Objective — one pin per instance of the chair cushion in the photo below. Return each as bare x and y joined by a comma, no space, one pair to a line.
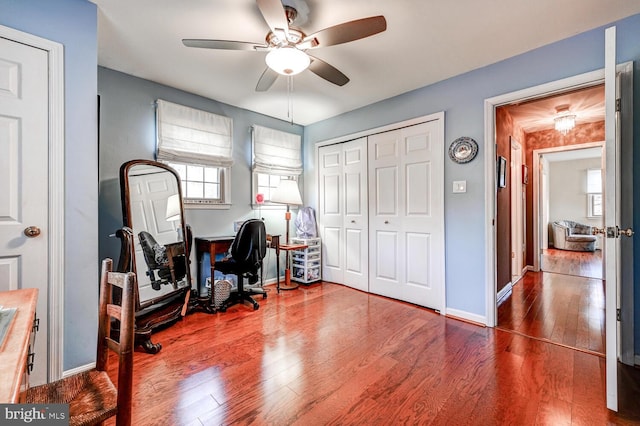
91,396
581,238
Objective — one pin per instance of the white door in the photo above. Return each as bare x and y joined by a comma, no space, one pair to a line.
343,213
331,212
611,220
356,243
24,181
406,214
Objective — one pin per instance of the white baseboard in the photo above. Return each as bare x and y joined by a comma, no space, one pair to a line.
506,290
637,360
272,281
468,316
78,370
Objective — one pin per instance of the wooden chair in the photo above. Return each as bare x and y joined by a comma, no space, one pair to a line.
91,395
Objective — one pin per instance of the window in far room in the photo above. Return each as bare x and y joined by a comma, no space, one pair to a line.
276,155
198,145
594,193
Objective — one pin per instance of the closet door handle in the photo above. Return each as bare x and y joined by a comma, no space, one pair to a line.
353,221
386,222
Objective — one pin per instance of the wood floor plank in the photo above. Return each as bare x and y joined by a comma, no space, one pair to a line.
565,309
328,354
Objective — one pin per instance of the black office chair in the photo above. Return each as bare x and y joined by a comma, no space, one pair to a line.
156,258
247,251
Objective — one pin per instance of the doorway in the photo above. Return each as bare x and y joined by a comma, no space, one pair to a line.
569,189
549,295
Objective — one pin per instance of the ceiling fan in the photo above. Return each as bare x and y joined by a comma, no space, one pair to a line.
287,45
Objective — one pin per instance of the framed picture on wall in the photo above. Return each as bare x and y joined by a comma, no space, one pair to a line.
502,172
525,174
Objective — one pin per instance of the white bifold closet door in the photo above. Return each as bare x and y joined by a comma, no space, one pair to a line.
342,213
406,214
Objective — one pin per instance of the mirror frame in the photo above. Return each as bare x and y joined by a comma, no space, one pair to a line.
128,260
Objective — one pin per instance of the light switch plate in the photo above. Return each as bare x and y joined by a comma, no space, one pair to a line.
459,186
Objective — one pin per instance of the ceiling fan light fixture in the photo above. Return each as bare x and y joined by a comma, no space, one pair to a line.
565,121
287,60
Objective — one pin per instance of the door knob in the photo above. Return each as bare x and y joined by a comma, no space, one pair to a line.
32,231
386,222
612,231
353,221
628,232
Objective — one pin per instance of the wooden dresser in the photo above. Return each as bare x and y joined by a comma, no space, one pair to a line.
15,352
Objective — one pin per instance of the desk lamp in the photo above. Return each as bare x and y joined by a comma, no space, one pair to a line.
287,193
173,213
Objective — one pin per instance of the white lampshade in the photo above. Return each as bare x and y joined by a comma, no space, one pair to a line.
287,60
287,193
173,208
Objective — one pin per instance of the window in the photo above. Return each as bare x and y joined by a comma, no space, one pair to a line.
198,145
594,193
267,184
199,182
276,155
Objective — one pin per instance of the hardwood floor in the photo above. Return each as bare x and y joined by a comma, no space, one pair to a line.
579,263
328,354
564,309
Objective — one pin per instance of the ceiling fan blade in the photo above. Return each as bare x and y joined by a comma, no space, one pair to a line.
328,72
222,44
274,14
345,32
266,80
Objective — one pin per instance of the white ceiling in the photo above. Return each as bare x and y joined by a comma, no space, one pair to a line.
425,42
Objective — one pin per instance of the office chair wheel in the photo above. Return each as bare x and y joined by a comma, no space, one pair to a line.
256,307
264,296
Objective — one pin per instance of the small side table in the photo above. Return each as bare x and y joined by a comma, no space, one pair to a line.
288,285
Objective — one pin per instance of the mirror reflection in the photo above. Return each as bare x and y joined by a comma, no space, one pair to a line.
155,217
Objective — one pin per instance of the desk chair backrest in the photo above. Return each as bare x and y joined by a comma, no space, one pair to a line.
250,245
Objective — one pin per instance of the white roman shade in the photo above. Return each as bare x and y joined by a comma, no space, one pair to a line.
191,135
594,181
276,152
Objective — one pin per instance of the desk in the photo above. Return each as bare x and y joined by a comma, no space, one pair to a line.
14,353
174,250
213,246
218,245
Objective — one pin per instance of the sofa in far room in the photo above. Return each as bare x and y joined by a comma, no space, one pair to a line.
574,236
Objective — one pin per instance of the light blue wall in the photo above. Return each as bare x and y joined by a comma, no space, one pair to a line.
127,132
73,23
462,99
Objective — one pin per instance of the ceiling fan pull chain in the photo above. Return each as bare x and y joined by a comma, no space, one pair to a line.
289,100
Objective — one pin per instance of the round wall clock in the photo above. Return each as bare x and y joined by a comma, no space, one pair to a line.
463,150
